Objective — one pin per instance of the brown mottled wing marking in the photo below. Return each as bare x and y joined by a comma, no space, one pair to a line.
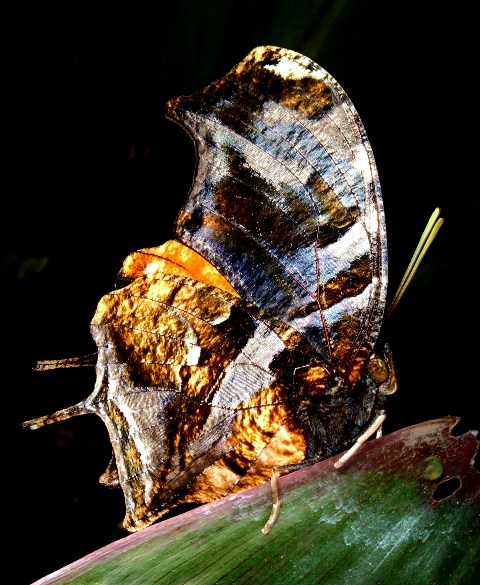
185,388
241,346
286,202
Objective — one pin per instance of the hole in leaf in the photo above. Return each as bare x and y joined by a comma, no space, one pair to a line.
460,428
446,488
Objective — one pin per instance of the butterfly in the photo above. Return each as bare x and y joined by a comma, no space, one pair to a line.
248,342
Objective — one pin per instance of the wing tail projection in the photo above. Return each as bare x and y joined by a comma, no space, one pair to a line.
59,415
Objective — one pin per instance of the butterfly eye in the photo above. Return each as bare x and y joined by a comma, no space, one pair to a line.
378,369
382,372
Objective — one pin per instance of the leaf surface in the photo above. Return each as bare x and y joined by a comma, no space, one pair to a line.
405,509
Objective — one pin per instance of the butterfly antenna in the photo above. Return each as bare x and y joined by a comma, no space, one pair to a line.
429,233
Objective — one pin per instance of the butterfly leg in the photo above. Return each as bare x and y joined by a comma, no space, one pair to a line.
376,427
276,502
276,491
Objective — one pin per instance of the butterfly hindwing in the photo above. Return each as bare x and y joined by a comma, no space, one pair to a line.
190,386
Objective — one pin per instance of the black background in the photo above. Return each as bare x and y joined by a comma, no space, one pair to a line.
95,171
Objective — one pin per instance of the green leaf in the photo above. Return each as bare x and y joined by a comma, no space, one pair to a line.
404,509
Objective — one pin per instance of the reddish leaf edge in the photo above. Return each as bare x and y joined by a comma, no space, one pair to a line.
468,443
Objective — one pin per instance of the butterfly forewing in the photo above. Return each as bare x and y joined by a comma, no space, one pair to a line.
286,201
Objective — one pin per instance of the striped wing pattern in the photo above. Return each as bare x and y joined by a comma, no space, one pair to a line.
241,345
286,201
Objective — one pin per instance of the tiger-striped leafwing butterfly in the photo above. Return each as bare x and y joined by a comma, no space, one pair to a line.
248,342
